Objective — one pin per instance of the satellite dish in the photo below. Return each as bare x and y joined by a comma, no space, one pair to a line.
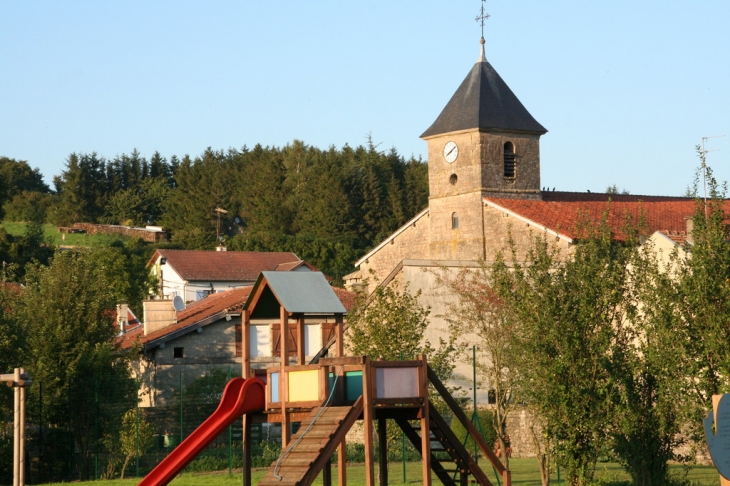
178,303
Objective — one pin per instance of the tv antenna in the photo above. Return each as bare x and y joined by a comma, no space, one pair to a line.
218,224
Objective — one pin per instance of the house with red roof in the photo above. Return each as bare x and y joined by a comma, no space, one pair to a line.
185,345
484,192
194,274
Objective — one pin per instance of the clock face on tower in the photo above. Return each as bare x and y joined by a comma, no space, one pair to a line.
451,151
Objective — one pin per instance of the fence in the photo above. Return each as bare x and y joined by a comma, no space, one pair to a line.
96,430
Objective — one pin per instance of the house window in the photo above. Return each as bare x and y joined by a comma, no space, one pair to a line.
454,221
453,179
201,294
509,160
177,352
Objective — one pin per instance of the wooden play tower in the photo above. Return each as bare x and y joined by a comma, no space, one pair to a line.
328,397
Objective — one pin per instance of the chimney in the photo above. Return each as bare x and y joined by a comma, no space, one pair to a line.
158,314
122,317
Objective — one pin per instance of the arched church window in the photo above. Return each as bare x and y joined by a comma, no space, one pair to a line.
509,160
454,221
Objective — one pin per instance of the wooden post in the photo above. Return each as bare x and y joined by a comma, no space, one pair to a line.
425,422
16,432
283,378
18,380
21,387
367,387
342,464
383,451
300,341
506,477
327,473
340,335
246,459
246,344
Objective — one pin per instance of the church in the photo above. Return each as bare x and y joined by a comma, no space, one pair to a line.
484,188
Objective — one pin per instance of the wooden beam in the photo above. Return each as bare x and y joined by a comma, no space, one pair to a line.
283,386
425,424
342,463
383,451
339,335
246,459
246,344
300,341
368,417
327,473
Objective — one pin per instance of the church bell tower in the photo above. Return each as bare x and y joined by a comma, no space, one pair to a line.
484,144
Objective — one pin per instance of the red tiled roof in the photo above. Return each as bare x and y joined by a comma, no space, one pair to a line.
563,211
199,310
228,301
225,266
347,297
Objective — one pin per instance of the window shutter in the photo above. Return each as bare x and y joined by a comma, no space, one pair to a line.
239,340
276,339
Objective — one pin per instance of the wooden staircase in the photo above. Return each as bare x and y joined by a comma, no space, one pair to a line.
312,446
450,461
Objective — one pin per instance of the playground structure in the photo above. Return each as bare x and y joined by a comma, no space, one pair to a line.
328,397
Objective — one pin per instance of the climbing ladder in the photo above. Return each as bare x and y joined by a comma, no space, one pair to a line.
449,457
313,445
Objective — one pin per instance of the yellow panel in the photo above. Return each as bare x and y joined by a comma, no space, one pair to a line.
303,386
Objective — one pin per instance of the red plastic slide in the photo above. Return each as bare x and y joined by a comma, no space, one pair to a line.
240,396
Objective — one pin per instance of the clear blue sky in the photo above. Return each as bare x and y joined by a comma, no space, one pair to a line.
625,88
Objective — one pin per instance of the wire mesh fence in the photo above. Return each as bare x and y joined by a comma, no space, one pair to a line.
99,431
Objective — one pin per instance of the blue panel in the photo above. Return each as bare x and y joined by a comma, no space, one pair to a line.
274,386
353,385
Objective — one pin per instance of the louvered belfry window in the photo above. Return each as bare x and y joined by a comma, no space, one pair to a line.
509,160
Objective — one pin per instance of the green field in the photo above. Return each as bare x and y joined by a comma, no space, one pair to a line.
53,236
524,472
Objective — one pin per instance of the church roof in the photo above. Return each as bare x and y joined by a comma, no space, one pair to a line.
484,101
562,212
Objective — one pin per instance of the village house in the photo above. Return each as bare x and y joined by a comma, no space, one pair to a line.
180,346
194,274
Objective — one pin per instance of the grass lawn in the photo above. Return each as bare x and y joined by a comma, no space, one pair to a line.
52,234
524,472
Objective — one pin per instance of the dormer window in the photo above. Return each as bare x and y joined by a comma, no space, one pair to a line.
509,160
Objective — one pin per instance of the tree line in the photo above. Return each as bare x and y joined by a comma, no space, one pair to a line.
327,206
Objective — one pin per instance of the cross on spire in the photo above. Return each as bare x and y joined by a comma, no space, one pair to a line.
482,17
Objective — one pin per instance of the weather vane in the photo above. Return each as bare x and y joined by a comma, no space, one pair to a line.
482,17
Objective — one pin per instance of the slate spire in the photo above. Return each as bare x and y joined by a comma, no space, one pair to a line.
484,102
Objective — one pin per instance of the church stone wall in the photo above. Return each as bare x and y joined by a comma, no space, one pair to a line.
410,243
499,227
526,182
463,243
466,167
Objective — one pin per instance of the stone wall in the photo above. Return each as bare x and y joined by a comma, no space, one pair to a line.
411,242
